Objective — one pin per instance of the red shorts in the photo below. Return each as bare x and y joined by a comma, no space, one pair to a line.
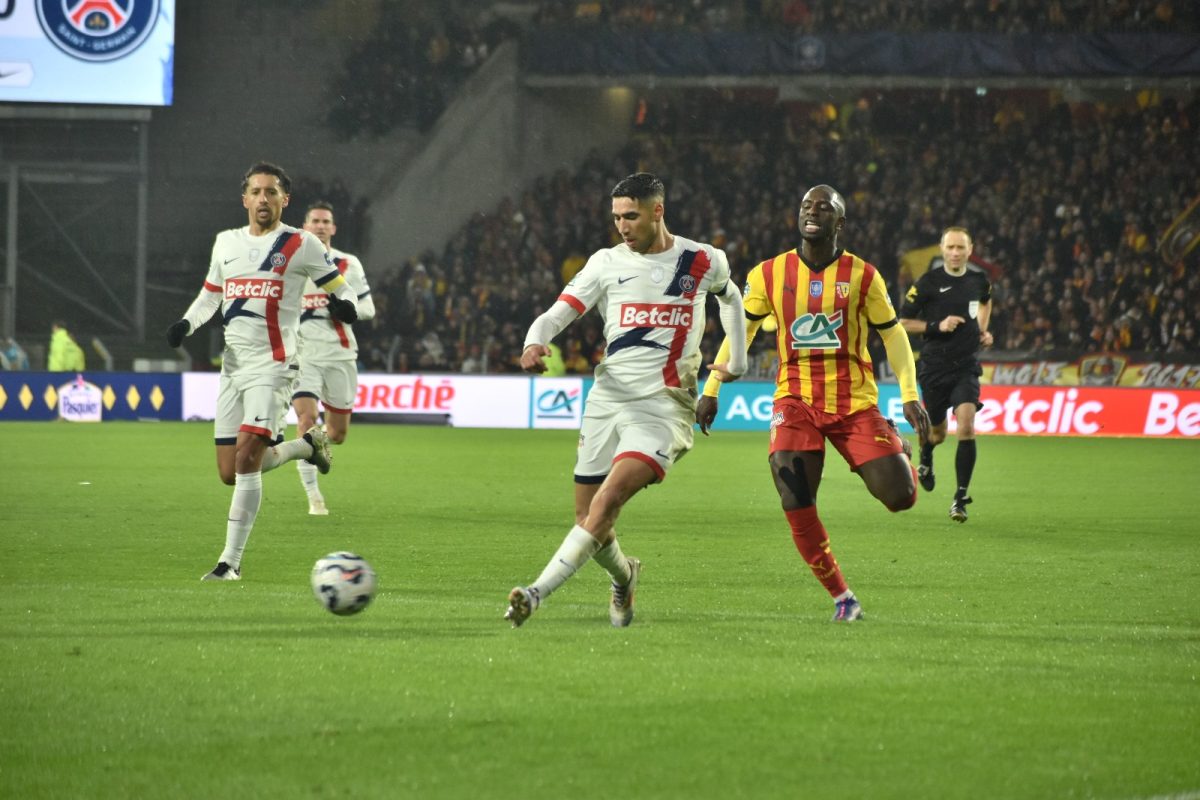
860,437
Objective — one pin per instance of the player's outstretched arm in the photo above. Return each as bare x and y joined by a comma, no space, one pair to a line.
900,357
733,322
198,313
543,330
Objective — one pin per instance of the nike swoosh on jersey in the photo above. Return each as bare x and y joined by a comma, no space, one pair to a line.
231,260
625,280
945,288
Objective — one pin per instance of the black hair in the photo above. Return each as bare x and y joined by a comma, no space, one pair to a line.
321,205
267,168
641,186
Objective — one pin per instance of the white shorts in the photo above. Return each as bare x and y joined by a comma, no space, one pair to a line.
254,403
334,383
656,430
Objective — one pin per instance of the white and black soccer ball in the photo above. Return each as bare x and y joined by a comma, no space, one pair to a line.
343,583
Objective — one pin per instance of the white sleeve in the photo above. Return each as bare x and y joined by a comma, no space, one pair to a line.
202,308
552,323
733,321
209,299
356,276
366,307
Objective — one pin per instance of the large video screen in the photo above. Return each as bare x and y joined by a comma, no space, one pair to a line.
117,52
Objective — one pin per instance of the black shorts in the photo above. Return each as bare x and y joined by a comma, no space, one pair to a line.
946,391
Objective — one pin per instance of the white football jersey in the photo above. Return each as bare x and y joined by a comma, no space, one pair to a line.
653,311
258,282
323,338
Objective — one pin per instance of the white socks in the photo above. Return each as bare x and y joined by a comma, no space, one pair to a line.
285,452
308,477
247,497
572,554
612,559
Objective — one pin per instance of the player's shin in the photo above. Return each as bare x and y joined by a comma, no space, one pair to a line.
308,478
614,561
573,553
813,543
964,465
284,452
247,497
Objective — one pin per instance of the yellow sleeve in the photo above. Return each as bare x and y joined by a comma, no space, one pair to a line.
879,304
900,356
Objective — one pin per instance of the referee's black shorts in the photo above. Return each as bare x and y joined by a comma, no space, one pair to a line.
945,389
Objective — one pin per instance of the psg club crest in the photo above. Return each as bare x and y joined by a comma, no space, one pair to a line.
97,30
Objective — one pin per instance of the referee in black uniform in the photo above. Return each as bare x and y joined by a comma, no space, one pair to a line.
950,306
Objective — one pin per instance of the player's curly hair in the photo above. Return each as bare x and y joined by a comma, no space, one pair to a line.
641,186
267,168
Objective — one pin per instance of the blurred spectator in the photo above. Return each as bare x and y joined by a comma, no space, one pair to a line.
65,354
844,16
13,356
555,366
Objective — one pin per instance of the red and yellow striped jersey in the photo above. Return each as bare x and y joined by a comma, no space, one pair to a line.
824,316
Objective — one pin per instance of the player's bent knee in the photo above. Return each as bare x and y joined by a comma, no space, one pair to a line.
901,502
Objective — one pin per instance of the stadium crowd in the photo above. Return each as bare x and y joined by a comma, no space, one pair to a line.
904,16
407,71
1066,202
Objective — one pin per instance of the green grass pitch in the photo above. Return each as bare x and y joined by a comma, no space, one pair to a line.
1048,648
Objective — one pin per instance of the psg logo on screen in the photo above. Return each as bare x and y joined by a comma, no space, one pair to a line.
97,30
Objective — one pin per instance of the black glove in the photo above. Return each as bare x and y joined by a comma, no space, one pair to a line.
342,310
177,331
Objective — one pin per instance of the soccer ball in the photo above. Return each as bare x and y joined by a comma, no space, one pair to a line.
343,583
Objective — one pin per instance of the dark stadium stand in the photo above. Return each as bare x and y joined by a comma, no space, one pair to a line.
1066,201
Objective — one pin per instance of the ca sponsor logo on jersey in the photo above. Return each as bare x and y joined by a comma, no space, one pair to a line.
97,30
315,301
655,315
253,289
816,332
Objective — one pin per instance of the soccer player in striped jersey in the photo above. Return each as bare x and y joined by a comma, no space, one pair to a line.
650,290
328,352
256,277
825,300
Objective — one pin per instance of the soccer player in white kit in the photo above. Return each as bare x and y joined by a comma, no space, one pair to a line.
328,352
638,420
257,277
